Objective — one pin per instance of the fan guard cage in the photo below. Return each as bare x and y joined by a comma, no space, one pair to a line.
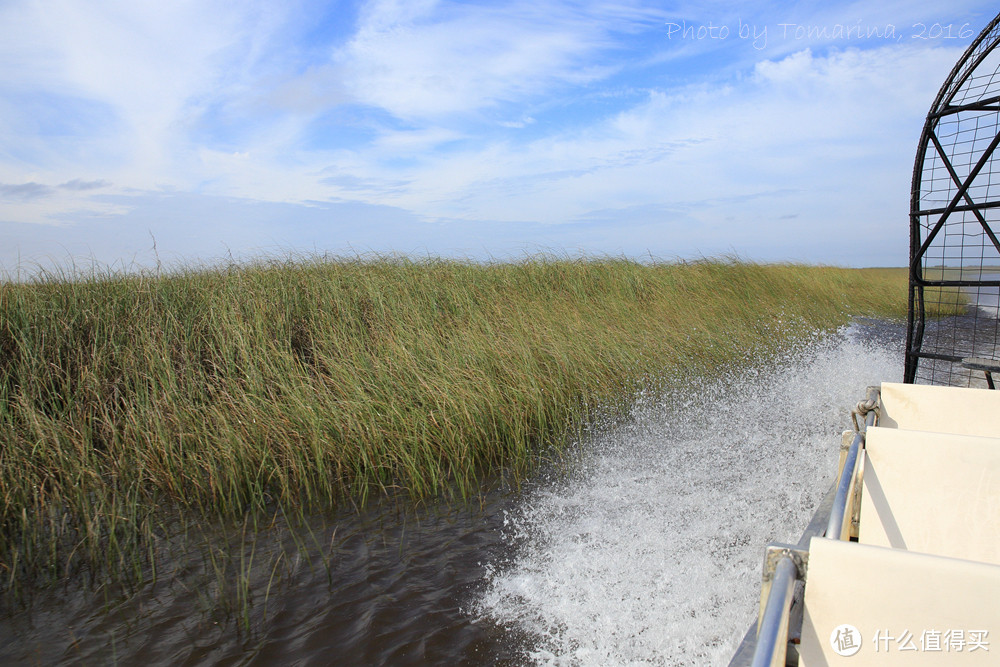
954,208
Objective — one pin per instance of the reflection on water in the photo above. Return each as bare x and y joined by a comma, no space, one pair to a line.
645,551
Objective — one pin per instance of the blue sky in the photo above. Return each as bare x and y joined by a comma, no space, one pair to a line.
132,132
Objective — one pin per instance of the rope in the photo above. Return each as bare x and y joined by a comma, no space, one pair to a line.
862,409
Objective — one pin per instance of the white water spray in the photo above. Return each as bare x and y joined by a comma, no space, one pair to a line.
650,553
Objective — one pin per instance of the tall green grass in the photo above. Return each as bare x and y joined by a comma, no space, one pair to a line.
303,383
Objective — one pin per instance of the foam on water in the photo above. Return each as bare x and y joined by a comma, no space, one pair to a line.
650,551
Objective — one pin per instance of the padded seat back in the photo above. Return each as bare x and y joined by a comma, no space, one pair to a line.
922,407
932,492
896,600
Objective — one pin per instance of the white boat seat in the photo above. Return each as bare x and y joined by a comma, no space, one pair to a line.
921,407
934,493
896,599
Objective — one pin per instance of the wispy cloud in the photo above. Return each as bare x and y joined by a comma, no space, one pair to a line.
80,185
24,191
561,121
430,61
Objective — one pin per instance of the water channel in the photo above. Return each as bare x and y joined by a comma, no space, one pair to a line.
644,547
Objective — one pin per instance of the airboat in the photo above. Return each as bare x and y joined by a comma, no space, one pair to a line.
901,562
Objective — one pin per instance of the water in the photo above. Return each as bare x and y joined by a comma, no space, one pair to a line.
985,298
385,587
644,548
650,553
976,333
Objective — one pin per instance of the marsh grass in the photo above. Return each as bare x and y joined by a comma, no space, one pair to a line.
287,385
943,301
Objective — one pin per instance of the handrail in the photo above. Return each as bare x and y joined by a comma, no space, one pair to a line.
784,564
772,635
835,526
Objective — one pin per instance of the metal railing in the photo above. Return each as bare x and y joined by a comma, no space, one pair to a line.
783,566
845,488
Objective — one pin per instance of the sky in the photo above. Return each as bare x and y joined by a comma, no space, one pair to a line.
139,134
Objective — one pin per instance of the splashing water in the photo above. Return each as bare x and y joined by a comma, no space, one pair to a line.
649,552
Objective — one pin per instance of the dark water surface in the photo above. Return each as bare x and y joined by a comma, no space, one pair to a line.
392,585
646,552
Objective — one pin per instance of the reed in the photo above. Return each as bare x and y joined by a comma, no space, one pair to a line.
300,383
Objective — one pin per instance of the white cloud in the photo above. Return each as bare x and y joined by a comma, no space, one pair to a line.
827,139
804,148
578,114
431,60
145,64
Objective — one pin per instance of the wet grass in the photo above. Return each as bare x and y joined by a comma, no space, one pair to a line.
226,393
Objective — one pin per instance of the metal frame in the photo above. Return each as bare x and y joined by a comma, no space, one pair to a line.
954,202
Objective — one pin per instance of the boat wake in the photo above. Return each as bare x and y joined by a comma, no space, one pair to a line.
648,551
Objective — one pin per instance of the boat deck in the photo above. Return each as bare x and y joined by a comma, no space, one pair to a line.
901,562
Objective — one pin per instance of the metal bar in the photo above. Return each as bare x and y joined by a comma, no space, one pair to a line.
779,619
772,638
958,209
941,357
985,104
958,283
835,526
914,329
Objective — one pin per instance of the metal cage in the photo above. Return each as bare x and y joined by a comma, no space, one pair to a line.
954,295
